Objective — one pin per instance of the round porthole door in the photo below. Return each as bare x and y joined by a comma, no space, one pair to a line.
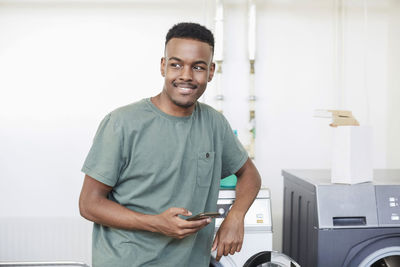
385,257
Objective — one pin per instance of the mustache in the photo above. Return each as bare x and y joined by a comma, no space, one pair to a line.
184,85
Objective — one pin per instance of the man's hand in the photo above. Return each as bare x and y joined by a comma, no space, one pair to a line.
170,224
229,237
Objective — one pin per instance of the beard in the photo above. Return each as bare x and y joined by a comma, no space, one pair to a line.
187,104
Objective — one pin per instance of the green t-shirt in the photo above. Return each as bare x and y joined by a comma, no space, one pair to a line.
155,161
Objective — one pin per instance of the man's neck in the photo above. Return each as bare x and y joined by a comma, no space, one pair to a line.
166,106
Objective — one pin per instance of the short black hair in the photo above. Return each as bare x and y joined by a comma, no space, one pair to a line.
190,30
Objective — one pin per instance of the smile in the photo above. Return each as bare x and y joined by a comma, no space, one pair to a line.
185,88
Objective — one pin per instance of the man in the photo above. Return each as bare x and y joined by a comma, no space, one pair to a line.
156,161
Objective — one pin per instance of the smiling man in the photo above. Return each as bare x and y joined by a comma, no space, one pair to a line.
156,161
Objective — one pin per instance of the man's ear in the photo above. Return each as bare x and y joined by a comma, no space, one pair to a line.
162,66
211,72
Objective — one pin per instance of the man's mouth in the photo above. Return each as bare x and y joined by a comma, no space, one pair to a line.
185,88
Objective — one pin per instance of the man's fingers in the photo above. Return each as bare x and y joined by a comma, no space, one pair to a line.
224,249
188,228
171,224
220,251
197,224
215,243
239,247
233,249
180,211
186,232
227,249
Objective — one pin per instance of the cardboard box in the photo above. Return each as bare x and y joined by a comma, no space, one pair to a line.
352,155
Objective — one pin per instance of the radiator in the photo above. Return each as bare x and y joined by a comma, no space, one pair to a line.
45,239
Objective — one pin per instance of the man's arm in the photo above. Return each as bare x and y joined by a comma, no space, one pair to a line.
229,237
95,206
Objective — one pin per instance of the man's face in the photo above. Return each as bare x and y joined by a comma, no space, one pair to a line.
187,68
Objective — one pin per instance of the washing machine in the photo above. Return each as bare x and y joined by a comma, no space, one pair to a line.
257,242
340,225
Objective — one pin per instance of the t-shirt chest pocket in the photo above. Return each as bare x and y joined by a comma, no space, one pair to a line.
205,167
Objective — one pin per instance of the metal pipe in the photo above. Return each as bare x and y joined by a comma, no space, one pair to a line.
252,96
218,52
219,31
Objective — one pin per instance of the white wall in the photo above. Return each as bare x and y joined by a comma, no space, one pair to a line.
63,67
65,64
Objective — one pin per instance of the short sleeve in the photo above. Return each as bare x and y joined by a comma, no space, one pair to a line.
104,160
234,156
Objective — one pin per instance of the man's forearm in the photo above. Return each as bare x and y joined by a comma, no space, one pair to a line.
95,206
229,237
103,211
247,187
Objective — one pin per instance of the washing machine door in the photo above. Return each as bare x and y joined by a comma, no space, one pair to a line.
385,257
390,261
270,259
381,251
261,259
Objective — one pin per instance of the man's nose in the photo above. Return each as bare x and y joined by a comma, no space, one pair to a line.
186,74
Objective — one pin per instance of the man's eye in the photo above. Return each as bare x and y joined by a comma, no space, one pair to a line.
175,65
198,68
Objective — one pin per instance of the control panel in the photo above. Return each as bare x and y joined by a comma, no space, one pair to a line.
388,204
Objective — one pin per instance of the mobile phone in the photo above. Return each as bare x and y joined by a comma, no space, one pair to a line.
203,215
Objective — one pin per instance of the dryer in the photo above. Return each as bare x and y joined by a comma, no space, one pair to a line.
257,242
340,225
